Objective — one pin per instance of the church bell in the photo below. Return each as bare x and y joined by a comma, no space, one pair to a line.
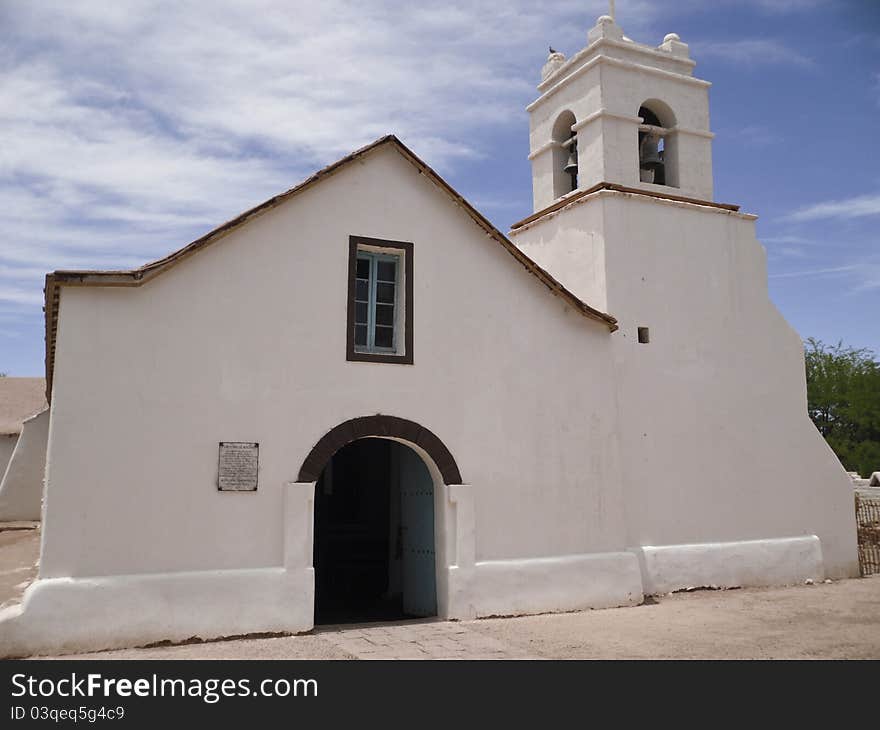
649,155
571,167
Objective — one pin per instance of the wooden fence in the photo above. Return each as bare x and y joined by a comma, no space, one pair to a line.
868,525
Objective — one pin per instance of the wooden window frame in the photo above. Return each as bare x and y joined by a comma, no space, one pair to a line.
404,299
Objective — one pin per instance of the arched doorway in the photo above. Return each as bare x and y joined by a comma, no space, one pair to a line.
658,144
374,534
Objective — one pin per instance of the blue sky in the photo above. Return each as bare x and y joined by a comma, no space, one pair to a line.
129,129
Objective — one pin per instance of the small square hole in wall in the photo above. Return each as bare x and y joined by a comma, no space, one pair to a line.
644,336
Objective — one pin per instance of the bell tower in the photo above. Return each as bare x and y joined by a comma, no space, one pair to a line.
620,112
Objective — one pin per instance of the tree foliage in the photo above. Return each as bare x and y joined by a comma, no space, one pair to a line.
843,399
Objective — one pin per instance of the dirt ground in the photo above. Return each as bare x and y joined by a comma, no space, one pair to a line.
839,620
19,550
828,621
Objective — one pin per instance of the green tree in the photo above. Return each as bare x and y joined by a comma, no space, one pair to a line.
843,399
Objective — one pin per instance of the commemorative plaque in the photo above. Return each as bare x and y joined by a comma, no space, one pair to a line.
238,465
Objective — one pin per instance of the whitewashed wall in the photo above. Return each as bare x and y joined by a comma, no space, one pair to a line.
715,439
21,486
595,468
246,341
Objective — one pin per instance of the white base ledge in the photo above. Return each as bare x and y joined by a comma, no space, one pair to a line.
781,561
559,583
65,615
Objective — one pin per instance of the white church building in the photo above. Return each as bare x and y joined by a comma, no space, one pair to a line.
360,400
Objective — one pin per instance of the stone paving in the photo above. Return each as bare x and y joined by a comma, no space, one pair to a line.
418,640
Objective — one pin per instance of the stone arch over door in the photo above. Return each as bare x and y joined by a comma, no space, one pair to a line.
454,510
381,426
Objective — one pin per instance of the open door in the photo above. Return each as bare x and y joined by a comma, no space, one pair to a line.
374,535
417,527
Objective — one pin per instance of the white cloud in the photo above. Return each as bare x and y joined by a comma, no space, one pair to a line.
752,52
856,207
787,6
131,128
870,279
794,246
859,277
815,272
12,295
787,239
753,135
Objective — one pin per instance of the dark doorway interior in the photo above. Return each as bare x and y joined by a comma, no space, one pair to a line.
374,535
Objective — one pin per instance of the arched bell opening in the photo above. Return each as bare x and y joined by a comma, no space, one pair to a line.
565,155
657,141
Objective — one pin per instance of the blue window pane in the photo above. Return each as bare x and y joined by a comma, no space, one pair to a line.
384,336
385,314
362,291
387,270
375,301
385,293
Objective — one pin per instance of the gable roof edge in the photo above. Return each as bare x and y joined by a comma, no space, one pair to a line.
139,276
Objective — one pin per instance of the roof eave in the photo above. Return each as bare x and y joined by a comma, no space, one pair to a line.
617,188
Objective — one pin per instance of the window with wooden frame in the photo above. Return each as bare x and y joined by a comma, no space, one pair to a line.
380,301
